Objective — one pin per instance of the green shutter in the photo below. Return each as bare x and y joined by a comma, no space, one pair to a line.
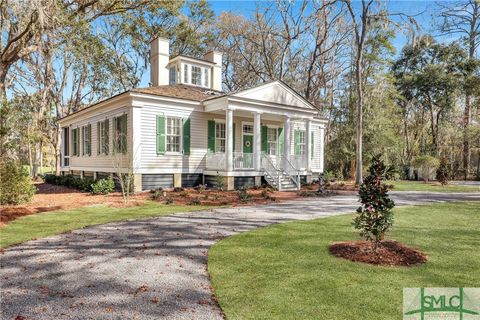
264,139
123,124
115,135
297,142
311,145
186,136
82,139
107,136
98,138
72,144
211,136
89,129
76,142
234,137
280,141
160,135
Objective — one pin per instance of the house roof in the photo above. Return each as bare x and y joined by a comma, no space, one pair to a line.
202,60
181,91
184,92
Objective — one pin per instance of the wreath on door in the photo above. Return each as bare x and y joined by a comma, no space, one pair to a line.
248,143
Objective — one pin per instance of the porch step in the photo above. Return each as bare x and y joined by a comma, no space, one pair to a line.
285,181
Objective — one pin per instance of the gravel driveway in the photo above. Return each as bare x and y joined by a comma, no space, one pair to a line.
146,269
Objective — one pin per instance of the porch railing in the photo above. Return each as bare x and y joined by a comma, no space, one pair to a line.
243,160
299,161
216,161
272,172
292,171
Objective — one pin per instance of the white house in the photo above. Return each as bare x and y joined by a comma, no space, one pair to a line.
183,131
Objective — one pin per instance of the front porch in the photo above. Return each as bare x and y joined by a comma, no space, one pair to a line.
278,171
247,139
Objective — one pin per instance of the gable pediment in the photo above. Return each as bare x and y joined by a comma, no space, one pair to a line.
275,92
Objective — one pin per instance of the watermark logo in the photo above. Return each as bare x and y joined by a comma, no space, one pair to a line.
441,303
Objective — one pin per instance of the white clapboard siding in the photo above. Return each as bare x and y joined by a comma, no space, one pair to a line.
317,161
179,163
97,162
173,163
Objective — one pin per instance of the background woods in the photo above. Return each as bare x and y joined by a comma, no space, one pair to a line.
405,99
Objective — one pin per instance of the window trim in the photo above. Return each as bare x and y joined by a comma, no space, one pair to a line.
180,135
83,140
222,122
199,73
205,77
172,71
248,124
300,143
102,137
186,73
276,141
116,137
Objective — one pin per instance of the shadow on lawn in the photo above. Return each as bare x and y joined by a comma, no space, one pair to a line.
143,269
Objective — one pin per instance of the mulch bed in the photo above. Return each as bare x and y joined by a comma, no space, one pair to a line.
53,197
388,253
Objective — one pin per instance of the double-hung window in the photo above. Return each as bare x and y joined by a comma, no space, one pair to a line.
272,141
302,143
185,73
196,75
103,136
173,134
173,75
206,77
87,140
120,129
219,137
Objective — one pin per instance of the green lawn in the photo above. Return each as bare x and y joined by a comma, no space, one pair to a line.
402,185
56,222
285,271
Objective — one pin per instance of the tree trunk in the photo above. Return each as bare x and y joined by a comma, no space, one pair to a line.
41,157
359,149
3,79
58,144
36,159
30,161
467,118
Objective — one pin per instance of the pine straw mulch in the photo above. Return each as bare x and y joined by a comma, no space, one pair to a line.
388,253
53,197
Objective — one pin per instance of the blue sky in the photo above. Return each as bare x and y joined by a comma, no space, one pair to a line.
422,10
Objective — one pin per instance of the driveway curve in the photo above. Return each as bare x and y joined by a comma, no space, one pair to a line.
147,269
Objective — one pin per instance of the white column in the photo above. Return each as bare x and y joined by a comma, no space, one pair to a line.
229,138
257,140
308,128
136,137
321,144
286,138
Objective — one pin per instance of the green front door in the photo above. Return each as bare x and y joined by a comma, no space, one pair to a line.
247,144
